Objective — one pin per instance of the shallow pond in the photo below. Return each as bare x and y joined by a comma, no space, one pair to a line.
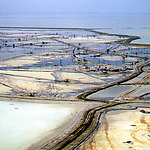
109,93
142,90
8,55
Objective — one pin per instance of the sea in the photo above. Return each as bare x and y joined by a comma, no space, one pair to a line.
123,23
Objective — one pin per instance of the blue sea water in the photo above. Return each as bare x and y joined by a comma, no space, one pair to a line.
123,23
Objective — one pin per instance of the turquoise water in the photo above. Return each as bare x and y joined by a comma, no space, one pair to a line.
123,23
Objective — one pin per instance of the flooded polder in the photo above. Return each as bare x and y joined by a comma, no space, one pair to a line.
81,73
110,93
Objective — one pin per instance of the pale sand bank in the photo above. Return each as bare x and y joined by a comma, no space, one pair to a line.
117,58
79,77
100,39
27,85
121,130
4,89
19,62
31,124
42,75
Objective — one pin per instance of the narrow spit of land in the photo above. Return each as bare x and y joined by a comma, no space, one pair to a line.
80,52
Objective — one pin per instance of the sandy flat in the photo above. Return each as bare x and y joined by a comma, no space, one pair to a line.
42,75
70,87
121,130
19,62
4,89
92,39
21,84
79,77
117,58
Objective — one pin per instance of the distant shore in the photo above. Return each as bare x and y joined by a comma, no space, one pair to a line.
126,42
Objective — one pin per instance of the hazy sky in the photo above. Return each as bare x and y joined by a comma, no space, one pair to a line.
76,5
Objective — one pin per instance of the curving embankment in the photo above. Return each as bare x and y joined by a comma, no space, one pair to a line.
90,120
125,42
137,72
88,123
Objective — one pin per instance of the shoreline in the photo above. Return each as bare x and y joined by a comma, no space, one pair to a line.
85,122
127,42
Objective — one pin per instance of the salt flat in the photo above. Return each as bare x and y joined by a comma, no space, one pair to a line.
24,124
